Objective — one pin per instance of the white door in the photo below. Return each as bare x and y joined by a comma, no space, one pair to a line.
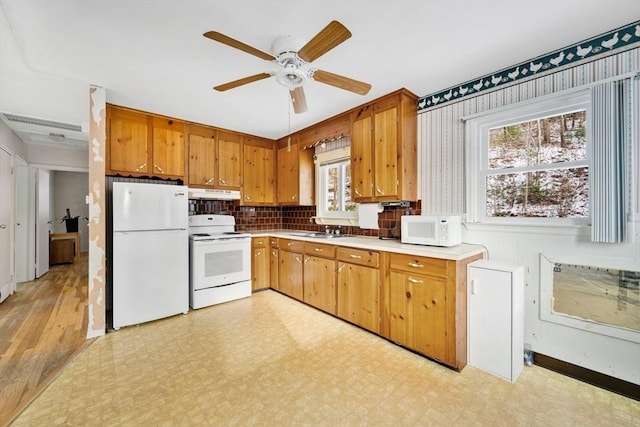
22,222
491,323
6,225
43,223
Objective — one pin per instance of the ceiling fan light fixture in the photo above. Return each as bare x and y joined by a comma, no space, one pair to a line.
291,76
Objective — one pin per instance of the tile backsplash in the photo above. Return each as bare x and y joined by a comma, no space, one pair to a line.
253,218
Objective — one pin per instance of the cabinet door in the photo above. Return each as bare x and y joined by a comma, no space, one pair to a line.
128,143
386,153
202,161
168,147
418,313
259,167
361,159
274,261
228,160
359,295
260,269
320,283
290,274
287,193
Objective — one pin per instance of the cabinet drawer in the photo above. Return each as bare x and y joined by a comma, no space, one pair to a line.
359,256
418,265
320,249
291,245
260,242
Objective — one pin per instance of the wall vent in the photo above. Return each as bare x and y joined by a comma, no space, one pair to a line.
44,123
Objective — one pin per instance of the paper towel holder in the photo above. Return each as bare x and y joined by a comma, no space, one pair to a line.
399,203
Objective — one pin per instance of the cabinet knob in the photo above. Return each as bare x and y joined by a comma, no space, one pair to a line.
142,166
222,181
415,265
412,280
355,256
159,168
378,190
209,181
295,196
355,190
318,249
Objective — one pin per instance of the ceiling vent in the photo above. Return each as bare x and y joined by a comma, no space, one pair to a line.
44,123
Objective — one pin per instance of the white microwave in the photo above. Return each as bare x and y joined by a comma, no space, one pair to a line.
432,230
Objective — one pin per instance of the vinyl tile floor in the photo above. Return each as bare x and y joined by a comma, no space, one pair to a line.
271,361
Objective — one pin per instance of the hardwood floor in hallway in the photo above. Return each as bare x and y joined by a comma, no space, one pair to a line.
43,326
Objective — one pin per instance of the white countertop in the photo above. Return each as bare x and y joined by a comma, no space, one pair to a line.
456,253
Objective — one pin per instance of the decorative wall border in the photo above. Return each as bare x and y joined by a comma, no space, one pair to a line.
605,44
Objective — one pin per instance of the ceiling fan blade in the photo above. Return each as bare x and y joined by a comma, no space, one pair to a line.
299,100
243,81
342,82
221,38
331,36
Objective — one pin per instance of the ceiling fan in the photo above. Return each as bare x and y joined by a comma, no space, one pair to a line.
293,58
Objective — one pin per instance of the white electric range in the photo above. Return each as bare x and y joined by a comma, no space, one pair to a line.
219,261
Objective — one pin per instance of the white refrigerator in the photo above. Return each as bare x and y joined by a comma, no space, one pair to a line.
150,252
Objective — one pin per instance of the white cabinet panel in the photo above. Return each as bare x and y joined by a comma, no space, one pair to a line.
496,318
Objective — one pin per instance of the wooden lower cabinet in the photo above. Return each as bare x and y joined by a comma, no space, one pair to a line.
417,313
359,295
427,306
290,268
260,264
274,261
320,283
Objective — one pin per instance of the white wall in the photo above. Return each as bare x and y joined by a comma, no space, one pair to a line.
11,141
54,158
69,191
441,135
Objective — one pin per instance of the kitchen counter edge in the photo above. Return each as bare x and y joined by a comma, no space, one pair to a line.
455,253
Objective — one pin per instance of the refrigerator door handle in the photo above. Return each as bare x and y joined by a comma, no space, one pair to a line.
474,288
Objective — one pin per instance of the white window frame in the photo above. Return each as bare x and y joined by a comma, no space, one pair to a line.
477,152
323,215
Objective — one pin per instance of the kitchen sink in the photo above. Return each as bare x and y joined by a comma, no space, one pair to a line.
316,235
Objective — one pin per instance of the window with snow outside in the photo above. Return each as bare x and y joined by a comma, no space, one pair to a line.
537,168
530,163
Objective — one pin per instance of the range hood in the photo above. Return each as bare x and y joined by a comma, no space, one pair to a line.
213,194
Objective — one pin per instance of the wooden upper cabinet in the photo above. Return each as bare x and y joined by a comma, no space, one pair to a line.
127,149
258,185
362,158
384,149
140,144
202,157
168,147
295,180
386,179
229,160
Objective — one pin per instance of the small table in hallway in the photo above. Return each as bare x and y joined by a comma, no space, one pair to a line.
68,236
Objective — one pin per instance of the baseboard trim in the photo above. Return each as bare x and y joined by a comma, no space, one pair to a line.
615,385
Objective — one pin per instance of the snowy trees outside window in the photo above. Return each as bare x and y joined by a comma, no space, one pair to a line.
528,163
532,168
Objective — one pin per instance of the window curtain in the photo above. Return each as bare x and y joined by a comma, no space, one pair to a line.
610,170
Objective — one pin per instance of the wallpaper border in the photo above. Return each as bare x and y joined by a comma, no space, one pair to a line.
608,43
